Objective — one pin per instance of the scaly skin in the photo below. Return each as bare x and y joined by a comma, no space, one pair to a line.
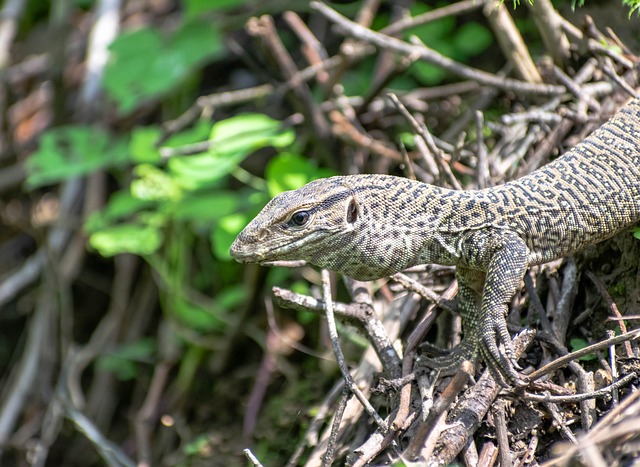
371,226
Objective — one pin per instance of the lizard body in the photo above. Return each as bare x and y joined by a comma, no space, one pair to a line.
371,226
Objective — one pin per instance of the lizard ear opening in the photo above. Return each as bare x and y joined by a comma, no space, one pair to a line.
352,211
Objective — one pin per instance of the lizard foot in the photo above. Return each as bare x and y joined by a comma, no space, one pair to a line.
448,361
495,347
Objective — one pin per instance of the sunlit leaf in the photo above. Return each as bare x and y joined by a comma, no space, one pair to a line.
72,151
225,233
290,171
128,238
231,141
245,133
146,64
207,207
154,184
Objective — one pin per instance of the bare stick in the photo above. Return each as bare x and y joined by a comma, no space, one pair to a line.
548,24
562,361
511,42
428,140
252,458
603,392
335,343
353,29
329,454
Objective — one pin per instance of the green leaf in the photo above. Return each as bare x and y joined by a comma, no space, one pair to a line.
231,141
427,73
146,65
201,445
196,317
578,344
290,171
123,359
201,171
127,238
245,133
207,207
434,33
225,233
636,233
120,206
72,151
142,145
471,39
195,8
154,184
231,297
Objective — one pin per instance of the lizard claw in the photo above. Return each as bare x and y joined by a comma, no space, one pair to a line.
501,361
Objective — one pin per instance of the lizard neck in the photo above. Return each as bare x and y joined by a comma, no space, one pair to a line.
401,223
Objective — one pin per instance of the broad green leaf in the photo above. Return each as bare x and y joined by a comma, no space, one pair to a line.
472,39
154,184
290,171
194,134
140,240
207,207
245,133
231,296
636,233
578,344
194,8
121,205
72,151
200,171
231,141
145,64
225,233
142,145
434,32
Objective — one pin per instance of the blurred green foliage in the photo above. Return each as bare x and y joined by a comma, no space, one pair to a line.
445,36
578,344
145,65
179,197
180,205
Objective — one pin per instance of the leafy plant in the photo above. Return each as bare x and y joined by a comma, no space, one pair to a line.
578,344
73,151
147,64
173,206
458,43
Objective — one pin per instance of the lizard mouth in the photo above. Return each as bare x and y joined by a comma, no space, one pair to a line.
244,253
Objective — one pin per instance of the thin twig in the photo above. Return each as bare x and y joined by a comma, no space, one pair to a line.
353,29
562,361
335,342
600,393
329,454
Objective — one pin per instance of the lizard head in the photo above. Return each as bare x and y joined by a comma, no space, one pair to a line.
300,224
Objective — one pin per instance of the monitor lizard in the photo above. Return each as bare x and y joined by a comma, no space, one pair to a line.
371,226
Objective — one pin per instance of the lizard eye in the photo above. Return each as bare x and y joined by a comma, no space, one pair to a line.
352,211
300,218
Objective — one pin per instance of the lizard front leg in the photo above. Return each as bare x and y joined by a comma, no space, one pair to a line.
506,263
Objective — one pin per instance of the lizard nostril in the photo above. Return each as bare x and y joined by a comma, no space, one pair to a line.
262,235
